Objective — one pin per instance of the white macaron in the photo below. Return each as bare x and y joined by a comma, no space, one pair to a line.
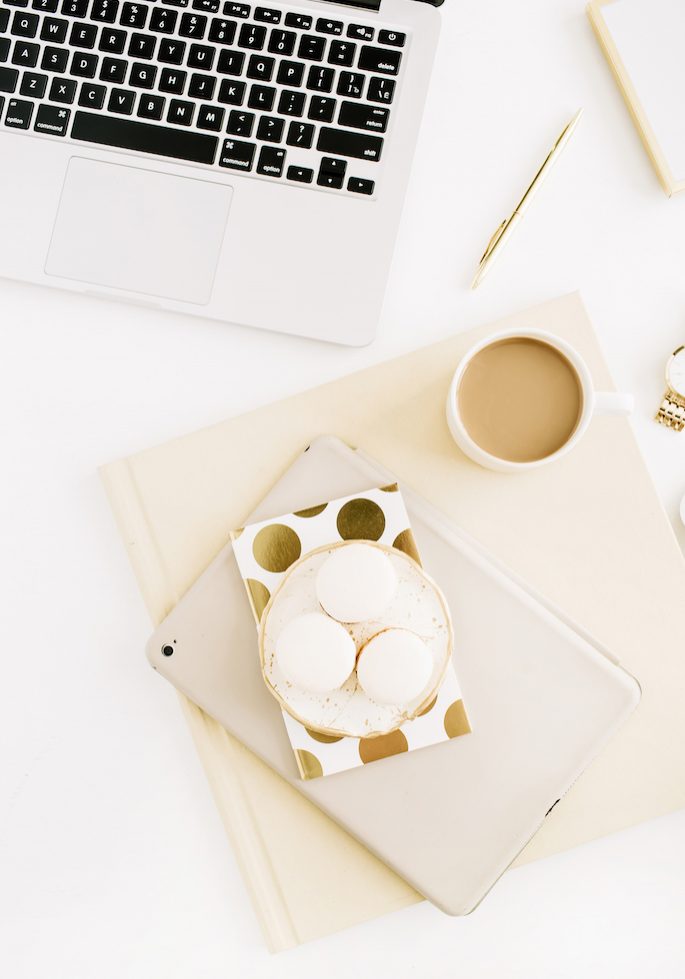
315,653
357,582
394,667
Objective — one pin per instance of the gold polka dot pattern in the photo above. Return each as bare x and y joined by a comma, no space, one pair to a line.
372,749
276,547
361,519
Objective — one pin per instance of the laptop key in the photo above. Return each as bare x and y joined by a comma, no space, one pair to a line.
163,21
341,53
18,114
172,80
171,52
311,47
259,68
381,90
300,134
112,41
4,48
393,38
121,101
267,15
52,120
92,96
282,42
25,54
237,155
201,56
321,109
24,25
62,90
83,36
104,11
84,65
151,106
16,3
209,6
46,6
270,129
359,186
129,134
75,8
222,31
320,79
230,62
303,175
202,86
291,103
262,97
142,75
181,113
8,79
33,85
343,142
55,59
240,123
54,30
329,26
379,60
232,93
134,15
360,32
356,115
210,117
298,20
142,46
271,161
236,10
4,18
350,84
113,70
290,73
252,36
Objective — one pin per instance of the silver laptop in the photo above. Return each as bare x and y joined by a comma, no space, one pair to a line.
245,163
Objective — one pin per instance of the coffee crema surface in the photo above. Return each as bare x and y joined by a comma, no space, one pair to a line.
520,399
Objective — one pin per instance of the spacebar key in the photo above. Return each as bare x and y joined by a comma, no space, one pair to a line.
338,142
129,135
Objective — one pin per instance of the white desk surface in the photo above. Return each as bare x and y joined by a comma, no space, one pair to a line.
114,863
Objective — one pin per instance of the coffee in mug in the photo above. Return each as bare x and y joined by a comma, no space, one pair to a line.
520,399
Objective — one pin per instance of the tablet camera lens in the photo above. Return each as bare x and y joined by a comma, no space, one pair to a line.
167,650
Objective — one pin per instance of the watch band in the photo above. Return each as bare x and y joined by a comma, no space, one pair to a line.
672,411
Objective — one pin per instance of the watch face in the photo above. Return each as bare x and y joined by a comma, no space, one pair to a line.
676,372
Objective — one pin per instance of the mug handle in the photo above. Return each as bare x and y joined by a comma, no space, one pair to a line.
613,403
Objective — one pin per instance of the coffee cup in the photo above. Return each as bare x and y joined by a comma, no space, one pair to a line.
523,398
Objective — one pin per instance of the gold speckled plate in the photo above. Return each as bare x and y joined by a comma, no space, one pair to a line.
418,605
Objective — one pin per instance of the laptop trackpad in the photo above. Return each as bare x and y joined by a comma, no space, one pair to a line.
138,230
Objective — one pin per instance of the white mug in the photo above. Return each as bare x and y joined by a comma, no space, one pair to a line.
594,403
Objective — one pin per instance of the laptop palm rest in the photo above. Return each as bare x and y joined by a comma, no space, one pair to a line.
139,230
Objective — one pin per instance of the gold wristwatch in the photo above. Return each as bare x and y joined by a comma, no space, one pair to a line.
672,409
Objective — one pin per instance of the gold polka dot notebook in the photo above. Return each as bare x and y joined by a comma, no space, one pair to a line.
266,550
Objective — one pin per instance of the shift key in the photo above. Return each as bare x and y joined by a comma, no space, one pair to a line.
340,142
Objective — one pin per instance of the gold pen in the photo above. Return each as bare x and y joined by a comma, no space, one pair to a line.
501,236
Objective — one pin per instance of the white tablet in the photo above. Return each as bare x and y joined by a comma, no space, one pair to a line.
542,698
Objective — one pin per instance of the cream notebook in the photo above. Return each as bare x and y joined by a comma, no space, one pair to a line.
588,533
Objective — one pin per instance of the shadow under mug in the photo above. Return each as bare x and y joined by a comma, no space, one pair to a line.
593,402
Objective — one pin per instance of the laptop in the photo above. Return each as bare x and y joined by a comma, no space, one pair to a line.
543,698
240,162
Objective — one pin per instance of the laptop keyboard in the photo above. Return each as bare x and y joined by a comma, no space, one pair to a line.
272,92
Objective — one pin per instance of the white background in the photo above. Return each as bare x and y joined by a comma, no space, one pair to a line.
113,862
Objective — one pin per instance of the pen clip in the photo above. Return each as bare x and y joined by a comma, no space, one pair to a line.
495,238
